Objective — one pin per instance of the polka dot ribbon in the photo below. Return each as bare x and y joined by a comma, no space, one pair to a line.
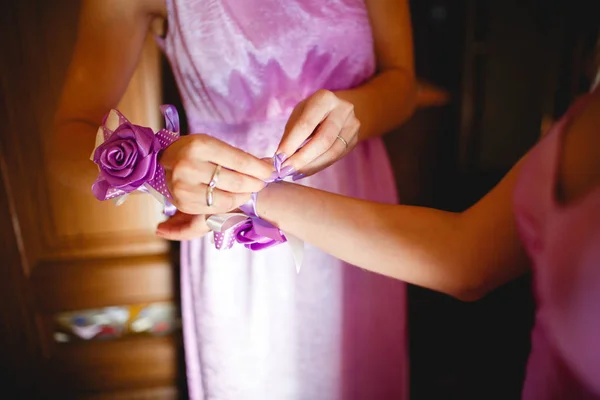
249,229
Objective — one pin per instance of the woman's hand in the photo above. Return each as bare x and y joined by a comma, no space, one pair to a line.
190,165
330,124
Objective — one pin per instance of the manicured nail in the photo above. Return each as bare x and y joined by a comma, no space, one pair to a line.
298,176
282,157
288,170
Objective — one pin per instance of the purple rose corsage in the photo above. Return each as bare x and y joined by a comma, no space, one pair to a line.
127,157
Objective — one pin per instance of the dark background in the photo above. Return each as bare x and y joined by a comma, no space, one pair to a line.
507,64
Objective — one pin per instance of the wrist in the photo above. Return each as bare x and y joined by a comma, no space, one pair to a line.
263,198
267,201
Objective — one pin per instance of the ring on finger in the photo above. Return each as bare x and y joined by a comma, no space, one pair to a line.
211,186
341,139
209,196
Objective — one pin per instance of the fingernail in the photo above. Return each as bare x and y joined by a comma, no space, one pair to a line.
273,176
296,177
282,157
288,170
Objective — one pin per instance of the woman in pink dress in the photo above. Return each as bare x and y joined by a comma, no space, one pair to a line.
544,213
251,72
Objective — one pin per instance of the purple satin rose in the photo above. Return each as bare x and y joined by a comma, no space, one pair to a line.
258,234
127,159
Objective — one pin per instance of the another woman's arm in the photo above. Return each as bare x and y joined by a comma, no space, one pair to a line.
461,254
110,39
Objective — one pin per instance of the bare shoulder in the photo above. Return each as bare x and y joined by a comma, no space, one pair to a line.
580,161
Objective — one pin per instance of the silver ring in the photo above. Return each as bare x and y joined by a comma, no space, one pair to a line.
209,196
342,140
212,185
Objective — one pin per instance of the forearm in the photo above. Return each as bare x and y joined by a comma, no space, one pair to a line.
413,244
69,154
110,40
383,103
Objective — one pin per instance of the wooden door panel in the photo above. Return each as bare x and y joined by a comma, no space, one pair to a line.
117,365
77,253
83,284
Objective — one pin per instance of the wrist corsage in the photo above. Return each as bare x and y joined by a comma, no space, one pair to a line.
249,229
127,157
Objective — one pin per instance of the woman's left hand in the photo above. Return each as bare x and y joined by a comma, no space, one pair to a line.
330,124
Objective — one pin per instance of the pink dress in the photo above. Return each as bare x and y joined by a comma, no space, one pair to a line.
563,242
253,328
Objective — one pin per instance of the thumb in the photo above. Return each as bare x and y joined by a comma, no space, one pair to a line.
183,226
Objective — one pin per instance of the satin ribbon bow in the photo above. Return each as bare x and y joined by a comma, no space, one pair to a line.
249,229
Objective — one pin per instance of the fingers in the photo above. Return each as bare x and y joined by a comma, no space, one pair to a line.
227,180
232,158
191,199
334,153
339,120
302,125
191,163
203,148
183,227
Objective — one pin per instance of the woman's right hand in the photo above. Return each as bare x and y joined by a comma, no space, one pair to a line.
190,164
